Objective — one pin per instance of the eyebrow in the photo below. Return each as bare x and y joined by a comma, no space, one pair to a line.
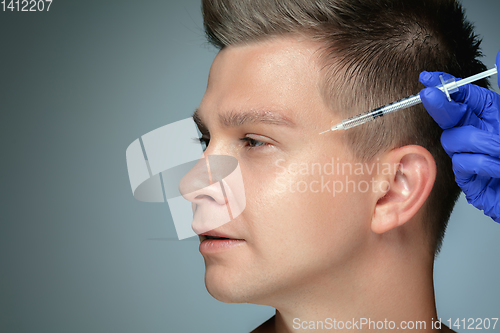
235,119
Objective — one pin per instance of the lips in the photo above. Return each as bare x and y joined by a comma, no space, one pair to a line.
216,242
216,235
212,237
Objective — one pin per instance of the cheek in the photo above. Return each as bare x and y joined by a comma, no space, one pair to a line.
293,201
296,233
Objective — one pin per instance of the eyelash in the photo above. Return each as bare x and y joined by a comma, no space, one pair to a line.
252,142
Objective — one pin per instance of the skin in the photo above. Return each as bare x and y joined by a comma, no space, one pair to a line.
311,255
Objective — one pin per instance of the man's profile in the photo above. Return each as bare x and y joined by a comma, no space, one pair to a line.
343,225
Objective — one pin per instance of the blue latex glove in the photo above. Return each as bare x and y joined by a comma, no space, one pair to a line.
471,137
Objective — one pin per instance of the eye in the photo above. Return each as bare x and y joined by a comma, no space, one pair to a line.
252,143
204,140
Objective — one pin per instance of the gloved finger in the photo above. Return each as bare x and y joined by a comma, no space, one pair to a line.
431,79
490,199
466,165
482,105
469,139
446,114
478,99
483,193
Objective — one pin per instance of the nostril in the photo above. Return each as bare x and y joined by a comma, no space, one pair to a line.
202,196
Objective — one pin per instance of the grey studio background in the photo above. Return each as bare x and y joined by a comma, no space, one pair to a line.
77,252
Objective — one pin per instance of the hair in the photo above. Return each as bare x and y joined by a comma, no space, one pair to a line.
372,53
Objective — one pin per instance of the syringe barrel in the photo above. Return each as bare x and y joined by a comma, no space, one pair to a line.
449,86
452,85
370,115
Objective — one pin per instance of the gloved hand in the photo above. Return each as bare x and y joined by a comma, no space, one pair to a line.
471,137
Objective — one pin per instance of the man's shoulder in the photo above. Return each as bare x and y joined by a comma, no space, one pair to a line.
268,327
446,329
265,327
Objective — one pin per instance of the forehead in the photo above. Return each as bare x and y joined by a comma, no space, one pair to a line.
276,74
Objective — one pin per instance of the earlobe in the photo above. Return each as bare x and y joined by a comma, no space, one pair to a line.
409,185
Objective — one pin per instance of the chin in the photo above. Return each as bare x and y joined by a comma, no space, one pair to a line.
227,287
222,292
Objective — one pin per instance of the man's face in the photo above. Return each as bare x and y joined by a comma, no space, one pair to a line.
296,230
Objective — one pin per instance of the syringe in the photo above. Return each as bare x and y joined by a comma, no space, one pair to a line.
448,87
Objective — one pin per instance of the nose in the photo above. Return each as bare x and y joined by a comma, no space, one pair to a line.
214,186
198,185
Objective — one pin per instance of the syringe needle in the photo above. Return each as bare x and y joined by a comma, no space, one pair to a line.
334,128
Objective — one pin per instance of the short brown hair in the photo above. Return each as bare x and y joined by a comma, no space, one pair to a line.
373,53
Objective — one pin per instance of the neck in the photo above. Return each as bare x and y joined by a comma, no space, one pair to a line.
382,291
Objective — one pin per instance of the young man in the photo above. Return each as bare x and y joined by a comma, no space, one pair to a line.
339,230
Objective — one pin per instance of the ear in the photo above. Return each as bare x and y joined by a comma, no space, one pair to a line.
405,185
